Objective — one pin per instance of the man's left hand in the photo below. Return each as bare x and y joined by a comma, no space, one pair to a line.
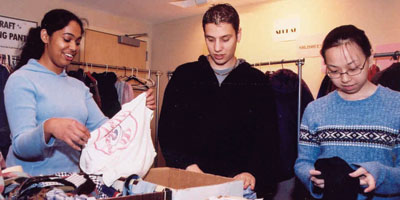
247,178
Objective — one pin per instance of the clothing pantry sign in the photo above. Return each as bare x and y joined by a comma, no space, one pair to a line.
13,34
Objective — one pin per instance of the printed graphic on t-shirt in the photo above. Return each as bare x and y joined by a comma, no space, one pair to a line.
112,137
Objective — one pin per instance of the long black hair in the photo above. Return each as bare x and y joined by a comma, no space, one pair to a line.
346,32
52,21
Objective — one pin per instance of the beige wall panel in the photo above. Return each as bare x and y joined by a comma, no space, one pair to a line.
103,48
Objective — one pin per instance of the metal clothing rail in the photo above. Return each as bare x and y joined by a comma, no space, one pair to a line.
114,67
156,73
395,55
299,64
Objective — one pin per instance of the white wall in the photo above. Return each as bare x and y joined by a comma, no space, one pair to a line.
182,40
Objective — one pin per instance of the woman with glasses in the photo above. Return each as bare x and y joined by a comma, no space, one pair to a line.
359,123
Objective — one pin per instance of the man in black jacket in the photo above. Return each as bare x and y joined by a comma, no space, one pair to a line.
218,114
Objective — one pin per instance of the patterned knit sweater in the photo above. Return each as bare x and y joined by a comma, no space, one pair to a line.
363,133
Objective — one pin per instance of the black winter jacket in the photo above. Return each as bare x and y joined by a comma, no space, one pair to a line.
225,129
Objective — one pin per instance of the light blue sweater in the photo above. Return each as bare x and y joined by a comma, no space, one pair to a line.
34,94
363,133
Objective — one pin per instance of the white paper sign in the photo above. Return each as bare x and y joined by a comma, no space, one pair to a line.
13,34
286,29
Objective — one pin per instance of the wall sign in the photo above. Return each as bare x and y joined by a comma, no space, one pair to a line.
286,29
13,34
309,46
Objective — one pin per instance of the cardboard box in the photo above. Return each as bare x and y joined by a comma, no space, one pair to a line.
187,185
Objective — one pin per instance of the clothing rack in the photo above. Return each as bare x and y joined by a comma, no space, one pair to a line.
154,72
395,55
299,64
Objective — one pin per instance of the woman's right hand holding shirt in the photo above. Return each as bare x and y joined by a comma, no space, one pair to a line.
70,131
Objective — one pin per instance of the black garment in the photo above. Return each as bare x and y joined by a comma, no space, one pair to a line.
389,77
227,129
326,87
77,74
338,184
108,93
285,84
92,85
5,140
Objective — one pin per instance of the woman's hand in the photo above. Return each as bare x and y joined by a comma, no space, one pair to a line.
150,99
365,178
68,130
248,180
316,181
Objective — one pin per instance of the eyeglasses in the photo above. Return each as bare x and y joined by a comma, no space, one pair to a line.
351,72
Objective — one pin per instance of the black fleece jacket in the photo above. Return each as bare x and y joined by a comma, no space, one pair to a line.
225,129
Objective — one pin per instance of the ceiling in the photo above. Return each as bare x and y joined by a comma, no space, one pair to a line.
153,11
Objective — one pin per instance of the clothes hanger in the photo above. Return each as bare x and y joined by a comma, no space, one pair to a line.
125,72
86,67
153,83
132,77
146,81
88,73
121,76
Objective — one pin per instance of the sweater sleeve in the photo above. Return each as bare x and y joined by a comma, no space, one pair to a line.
387,178
171,130
28,135
308,152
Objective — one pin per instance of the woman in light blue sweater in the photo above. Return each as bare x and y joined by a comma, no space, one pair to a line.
359,122
50,114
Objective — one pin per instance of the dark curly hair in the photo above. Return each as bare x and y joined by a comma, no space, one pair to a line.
222,13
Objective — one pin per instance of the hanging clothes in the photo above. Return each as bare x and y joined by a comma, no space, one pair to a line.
89,81
108,93
326,87
372,71
284,83
389,77
125,92
5,140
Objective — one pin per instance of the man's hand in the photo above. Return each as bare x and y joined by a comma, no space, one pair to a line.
247,178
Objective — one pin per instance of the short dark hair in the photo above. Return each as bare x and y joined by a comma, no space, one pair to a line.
52,21
346,32
222,13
